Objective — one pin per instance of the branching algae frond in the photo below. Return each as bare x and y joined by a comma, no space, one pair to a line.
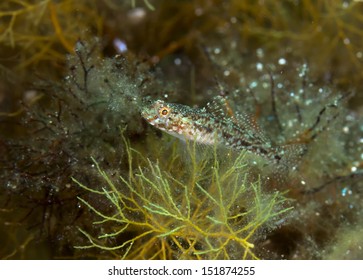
210,212
41,32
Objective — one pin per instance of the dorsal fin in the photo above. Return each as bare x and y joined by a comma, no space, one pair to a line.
250,123
218,107
221,108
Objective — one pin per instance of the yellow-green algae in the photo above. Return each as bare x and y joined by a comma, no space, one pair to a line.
207,210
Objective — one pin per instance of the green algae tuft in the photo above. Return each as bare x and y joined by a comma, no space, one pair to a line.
178,214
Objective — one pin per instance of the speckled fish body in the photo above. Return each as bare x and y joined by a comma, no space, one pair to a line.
208,127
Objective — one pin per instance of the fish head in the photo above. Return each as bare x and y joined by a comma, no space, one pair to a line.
172,118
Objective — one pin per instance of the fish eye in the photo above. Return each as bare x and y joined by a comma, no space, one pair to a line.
164,111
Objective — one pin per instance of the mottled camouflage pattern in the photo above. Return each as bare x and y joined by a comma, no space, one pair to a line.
211,125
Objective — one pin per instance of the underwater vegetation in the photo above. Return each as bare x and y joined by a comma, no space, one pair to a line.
40,31
83,175
208,212
66,128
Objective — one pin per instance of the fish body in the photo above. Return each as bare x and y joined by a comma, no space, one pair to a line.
211,125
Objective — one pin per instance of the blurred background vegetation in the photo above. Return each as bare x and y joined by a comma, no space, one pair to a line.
73,73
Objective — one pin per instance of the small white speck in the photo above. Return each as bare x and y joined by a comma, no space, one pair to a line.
259,66
253,84
217,51
120,45
177,61
282,61
136,15
344,191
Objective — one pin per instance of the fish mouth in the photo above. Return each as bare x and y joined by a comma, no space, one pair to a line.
150,116
150,119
